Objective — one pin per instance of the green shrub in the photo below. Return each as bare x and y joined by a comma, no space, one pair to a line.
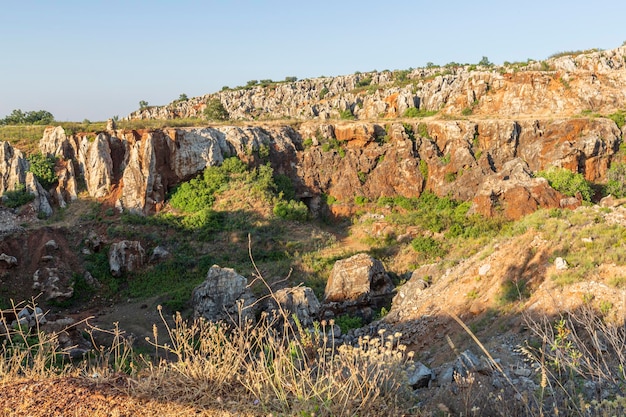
415,112
346,322
17,197
215,110
567,182
346,114
323,93
449,176
42,167
422,130
364,82
511,290
616,184
467,111
427,246
291,210
199,193
424,169
284,187
360,200
619,118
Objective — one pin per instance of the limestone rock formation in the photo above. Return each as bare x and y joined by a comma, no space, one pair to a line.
560,87
357,285
125,256
13,167
224,295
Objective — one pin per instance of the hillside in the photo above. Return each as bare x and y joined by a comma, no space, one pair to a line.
480,195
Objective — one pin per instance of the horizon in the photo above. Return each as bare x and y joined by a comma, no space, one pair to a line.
96,61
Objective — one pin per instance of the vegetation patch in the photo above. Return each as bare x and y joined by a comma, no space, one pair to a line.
568,182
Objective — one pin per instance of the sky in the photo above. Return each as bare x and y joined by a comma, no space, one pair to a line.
94,60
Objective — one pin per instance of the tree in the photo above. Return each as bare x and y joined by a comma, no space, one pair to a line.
143,104
18,117
42,167
485,62
215,110
291,79
183,97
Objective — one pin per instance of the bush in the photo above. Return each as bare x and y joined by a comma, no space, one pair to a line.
215,110
199,193
284,186
42,167
567,182
616,184
346,323
415,112
427,246
619,118
346,114
291,210
17,197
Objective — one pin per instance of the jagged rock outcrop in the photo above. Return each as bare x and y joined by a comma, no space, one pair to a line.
556,87
224,295
125,256
466,159
14,174
357,285
462,158
13,167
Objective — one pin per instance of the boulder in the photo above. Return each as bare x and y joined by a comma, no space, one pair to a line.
125,256
11,261
298,301
357,277
224,295
419,375
159,253
357,285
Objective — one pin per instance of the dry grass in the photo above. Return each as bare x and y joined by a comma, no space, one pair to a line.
265,367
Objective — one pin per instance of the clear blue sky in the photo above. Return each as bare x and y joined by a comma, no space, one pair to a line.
92,59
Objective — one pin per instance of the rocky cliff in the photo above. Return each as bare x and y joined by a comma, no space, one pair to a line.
491,162
557,87
519,119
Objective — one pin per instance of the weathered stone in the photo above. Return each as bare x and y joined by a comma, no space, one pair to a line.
298,301
11,261
54,284
419,375
51,244
484,269
125,256
357,277
159,253
224,295
560,264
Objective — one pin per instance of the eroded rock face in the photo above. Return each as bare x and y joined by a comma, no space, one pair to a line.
514,192
125,256
13,167
223,296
